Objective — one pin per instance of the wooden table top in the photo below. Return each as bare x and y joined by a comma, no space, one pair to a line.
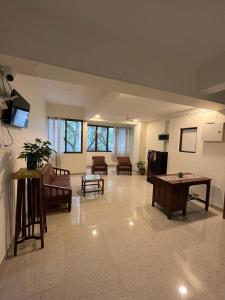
187,178
25,173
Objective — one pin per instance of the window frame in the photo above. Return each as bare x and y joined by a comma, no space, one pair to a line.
65,141
182,130
96,138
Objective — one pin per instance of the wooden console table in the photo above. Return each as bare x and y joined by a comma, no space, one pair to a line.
171,192
30,209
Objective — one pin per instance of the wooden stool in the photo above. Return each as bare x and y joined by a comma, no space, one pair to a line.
30,209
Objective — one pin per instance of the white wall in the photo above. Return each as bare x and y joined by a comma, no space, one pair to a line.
152,131
64,111
135,157
28,88
209,159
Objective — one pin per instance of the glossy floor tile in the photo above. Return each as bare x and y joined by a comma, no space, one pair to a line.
117,246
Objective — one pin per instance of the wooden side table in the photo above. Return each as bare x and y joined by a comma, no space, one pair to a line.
95,180
30,209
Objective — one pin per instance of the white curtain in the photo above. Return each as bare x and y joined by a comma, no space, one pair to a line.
56,132
121,141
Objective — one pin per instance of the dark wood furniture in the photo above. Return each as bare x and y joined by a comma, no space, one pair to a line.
157,164
124,165
30,208
99,164
92,180
224,208
57,190
171,192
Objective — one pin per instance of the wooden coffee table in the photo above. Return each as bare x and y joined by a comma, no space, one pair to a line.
94,180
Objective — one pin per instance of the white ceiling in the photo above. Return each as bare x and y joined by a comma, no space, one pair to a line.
118,108
190,31
144,109
70,94
156,44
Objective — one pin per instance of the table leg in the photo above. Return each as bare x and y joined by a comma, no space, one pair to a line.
169,215
207,196
84,188
18,215
224,208
153,196
102,187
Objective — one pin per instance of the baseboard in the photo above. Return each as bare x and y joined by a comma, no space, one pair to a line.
6,255
216,207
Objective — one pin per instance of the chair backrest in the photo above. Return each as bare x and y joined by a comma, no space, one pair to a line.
48,174
123,160
98,160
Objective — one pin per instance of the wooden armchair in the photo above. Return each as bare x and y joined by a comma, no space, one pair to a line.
99,164
124,164
57,190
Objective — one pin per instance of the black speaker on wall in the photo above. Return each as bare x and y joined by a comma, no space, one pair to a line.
163,137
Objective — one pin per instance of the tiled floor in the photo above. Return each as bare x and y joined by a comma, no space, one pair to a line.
117,246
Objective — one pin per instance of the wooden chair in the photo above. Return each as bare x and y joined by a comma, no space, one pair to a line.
99,164
124,164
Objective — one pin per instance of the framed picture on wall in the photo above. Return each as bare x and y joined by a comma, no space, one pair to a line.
188,140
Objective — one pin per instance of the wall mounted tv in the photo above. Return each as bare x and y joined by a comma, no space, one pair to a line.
17,113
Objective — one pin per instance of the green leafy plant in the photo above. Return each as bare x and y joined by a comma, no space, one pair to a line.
36,154
141,167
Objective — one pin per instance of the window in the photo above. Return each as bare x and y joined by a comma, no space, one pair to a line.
99,138
68,133
73,136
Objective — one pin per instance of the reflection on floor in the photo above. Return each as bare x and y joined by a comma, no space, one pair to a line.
117,246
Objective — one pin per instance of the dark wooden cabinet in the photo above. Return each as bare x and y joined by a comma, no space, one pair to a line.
157,164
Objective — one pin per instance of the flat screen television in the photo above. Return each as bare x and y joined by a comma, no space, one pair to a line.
17,113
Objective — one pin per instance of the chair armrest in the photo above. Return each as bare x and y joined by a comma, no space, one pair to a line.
51,186
60,171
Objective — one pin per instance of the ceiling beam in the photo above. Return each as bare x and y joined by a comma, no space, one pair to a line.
103,102
120,87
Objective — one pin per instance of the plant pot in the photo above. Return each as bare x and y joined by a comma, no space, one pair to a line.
142,171
32,163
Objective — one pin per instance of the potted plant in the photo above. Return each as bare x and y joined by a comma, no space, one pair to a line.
141,167
35,154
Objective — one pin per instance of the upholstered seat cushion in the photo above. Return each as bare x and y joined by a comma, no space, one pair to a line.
99,167
125,167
